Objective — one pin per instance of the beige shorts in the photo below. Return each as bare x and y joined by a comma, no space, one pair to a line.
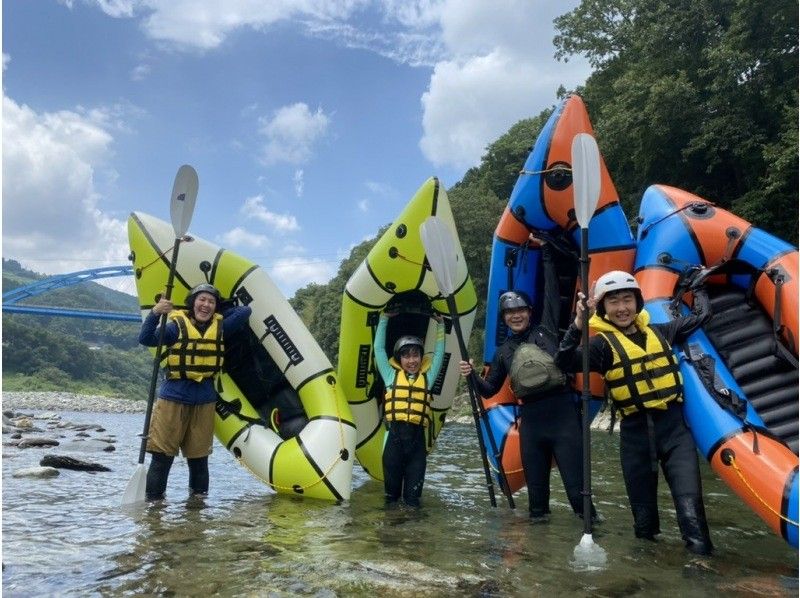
177,425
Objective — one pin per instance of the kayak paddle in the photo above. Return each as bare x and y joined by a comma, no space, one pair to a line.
440,250
586,189
184,195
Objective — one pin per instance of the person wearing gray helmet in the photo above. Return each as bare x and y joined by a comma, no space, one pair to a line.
183,415
549,417
408,378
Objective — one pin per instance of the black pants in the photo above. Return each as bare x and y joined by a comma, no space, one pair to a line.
550,428
661,437
404,461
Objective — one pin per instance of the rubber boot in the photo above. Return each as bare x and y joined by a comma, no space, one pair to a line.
646,523
694,527
198,475
157,475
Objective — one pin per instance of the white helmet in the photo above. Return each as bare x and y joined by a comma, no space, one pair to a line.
613,281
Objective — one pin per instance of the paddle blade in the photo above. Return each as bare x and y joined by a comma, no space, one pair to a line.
134,493
585,177
184,194
440,249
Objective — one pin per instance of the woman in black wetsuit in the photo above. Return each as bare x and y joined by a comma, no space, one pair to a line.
550,424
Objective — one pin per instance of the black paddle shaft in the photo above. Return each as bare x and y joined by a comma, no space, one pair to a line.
586,391
477,412
157,360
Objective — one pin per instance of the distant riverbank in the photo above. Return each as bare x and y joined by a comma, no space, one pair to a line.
67,401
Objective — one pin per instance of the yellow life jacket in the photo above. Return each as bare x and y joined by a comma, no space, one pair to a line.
195,356
639,378
408,401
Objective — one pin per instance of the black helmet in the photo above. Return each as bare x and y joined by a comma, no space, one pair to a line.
513,300
407,341
201,288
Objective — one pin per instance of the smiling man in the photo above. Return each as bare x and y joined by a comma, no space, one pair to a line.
644,382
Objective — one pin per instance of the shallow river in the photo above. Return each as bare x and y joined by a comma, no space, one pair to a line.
68,536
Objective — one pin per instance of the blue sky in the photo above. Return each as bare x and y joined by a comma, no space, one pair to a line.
311,123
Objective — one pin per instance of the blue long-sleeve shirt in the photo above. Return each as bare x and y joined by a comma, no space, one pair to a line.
386,370
189,391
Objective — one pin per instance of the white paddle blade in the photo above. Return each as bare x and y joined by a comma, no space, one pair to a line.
134,493
440,249
184,194
585,177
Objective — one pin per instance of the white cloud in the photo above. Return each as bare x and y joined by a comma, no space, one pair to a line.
291,133
113,8
501,71
51,207
363,205
6,60
296,272
492,61
455,119
205,25
298,182
140,72
254,208
239,237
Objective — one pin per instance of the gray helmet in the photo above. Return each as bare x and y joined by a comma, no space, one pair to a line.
614,281
407,341
201,288
513,300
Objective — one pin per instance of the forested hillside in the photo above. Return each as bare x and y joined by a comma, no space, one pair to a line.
699,94
79,355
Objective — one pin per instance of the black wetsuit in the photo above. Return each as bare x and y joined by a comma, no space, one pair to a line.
550,424
654,436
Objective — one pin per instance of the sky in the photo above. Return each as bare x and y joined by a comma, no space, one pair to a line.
311,123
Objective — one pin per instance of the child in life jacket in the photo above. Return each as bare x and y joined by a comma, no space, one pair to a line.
408,377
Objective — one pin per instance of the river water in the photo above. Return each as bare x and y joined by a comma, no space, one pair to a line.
68,536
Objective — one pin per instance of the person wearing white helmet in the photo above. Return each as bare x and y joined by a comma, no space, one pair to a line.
643,380
549,416
408,378
183,415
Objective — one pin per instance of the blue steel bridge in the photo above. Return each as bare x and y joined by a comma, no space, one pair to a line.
13,298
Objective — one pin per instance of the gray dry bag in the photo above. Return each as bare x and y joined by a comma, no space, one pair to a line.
533,371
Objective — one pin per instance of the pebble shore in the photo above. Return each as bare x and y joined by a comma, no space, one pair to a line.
65,401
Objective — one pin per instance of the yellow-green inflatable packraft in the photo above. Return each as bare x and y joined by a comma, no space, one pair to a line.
395,274
281,411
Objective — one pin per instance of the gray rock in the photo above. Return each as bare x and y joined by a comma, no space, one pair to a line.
36,472
32,442
64,462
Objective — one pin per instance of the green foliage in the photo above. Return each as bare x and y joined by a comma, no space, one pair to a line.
55,353
699,94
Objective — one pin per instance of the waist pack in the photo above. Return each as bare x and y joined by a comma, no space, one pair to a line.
533,371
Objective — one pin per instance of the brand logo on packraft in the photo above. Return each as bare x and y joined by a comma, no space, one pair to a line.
533,371
274,328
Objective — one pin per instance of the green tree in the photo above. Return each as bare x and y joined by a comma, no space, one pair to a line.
699,94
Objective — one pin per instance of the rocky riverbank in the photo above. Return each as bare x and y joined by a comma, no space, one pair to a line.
65,401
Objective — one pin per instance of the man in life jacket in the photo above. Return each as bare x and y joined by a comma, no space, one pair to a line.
408,377
183,415
644,381
549,419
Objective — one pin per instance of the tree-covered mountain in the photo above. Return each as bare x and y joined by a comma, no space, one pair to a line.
81,355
